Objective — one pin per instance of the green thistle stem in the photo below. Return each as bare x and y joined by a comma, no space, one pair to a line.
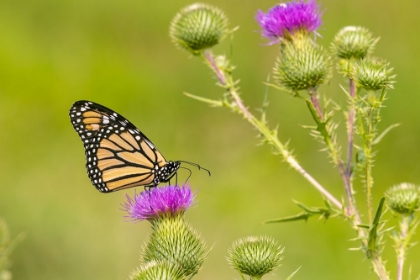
368,133
402,248
379,268
373,120
377,263
208,58
375,258
403,242
369,177
350,137
315,103
351,211
227,82
316,111
350,133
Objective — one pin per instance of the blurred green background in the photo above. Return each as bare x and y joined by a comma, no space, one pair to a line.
118,53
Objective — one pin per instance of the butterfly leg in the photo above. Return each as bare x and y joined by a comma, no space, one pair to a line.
176,179
148,190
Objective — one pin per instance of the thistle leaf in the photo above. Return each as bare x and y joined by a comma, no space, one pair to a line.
373,232
293,273
214,103
385,132
300,216
308,212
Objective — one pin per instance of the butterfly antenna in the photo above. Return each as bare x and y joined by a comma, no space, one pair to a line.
196,165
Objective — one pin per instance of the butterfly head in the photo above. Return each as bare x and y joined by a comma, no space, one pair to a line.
166,172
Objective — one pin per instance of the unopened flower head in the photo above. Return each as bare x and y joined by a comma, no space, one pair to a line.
255,255
198,27
285,19
302,66
159,202
353,42
403,198
174,240
158,270
373,74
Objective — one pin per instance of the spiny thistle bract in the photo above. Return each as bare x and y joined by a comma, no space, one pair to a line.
353,42
173,240
301,65
255,255
198,27
403,198
157,271
373,74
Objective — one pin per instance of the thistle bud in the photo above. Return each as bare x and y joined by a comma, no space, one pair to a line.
198,27
173,240
353,42
158,271
373,74
403,198
255,256
302,66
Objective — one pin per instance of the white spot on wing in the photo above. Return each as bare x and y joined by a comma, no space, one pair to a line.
150,144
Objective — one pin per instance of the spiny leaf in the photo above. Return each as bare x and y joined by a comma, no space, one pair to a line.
312,210
382,135
373,232
308,212
215,103
298,217
293,274
364,226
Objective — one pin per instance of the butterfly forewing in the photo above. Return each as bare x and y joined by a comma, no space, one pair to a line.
118,155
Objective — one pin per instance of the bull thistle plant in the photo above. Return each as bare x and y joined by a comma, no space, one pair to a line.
301,67
175,251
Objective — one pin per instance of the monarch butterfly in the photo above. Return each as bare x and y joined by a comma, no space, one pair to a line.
118,155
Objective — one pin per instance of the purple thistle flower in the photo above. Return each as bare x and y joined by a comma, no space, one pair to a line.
287,18
158,202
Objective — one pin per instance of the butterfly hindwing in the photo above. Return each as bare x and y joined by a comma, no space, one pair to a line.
118,155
